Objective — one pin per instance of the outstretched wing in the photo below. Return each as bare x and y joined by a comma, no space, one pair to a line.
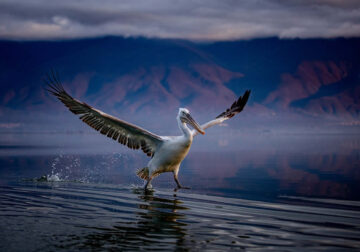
125,133
235,108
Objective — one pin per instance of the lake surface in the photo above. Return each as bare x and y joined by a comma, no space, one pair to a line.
291,194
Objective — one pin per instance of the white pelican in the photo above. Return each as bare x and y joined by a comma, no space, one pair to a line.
166,152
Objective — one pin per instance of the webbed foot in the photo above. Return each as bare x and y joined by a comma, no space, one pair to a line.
181,187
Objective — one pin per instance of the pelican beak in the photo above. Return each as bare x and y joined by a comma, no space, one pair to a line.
194,124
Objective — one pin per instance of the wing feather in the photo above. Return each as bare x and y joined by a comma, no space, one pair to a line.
234,109
125,133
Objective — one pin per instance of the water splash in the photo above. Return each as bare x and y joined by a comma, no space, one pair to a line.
85,169
53,178
63,168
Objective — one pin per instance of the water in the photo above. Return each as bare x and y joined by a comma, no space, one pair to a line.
283,198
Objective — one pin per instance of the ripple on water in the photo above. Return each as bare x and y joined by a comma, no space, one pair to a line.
48,216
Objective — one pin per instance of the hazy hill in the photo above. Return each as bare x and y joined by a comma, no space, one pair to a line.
147,80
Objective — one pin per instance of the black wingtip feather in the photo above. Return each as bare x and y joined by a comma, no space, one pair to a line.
53,83
237,106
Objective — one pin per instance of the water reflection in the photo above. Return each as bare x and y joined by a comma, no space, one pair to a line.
43,216
324,167
272,173
159,223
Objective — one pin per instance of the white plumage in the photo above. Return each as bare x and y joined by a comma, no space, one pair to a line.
166,152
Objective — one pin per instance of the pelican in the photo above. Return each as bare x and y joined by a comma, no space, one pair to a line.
166,152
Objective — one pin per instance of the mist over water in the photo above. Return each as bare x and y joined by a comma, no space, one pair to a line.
258,192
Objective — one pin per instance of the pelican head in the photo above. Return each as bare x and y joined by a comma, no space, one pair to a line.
185,117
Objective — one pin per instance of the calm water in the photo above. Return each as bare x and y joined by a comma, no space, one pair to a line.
284,196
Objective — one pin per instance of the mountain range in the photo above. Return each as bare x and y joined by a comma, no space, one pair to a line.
293,82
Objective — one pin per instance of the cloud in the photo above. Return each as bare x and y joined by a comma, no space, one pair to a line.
194,20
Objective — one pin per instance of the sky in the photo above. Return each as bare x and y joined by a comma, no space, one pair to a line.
217,20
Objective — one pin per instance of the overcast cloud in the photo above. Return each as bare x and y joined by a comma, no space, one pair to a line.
194,20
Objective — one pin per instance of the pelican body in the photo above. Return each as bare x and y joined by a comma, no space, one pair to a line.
172,151
166,152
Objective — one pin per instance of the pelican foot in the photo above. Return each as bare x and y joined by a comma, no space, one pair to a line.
148,186
181,187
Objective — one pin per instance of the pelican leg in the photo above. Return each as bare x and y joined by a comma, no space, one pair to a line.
148,184
179,186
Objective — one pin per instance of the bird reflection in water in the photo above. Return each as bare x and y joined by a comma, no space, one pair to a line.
160,224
